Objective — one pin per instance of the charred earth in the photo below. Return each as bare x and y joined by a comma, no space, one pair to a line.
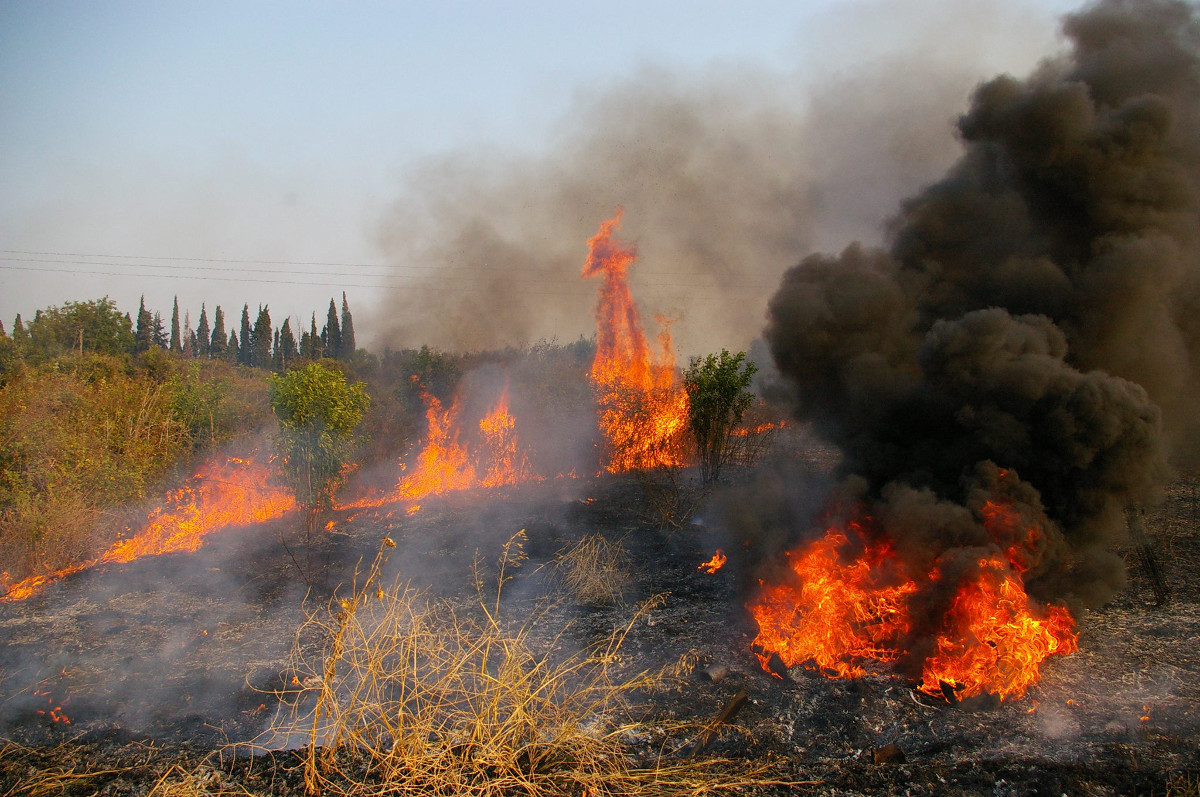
162,673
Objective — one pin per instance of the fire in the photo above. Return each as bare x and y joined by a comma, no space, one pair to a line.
508,465
443,464
842,604
846,603
992,639
447,464
220,495
643,407
714,564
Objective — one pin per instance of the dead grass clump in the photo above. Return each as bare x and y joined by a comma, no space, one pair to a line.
415,696
594,570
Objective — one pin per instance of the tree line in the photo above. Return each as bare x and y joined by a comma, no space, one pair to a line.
98,326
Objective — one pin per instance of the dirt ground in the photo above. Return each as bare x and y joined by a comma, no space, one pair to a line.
160,664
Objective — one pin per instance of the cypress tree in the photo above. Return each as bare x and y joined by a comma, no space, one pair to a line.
2,333
245,350
203,333
176,338
160,331
260,339
333,333
220,343
233,352
285,346
143,336
318,343
348,345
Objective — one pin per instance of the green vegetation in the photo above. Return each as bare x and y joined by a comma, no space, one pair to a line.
82,436
718,397
99,411
318,410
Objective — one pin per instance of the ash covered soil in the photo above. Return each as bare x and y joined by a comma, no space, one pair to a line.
161,664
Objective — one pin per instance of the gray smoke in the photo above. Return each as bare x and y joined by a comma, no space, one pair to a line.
1030,330
726,177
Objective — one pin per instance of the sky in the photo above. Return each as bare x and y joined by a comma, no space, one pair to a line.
268,153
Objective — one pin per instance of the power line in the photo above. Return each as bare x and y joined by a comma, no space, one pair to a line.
244,262
47,266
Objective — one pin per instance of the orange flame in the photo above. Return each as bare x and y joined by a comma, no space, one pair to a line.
445,464
993,640
643,406
508,465
714,564
832,614
236,492
846,599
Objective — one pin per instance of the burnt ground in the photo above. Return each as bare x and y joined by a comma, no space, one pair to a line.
160,662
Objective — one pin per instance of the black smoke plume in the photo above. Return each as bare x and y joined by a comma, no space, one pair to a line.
1031,333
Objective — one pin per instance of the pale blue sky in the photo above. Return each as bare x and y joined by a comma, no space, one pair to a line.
284,131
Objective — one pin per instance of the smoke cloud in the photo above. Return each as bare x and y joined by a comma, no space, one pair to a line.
1029,332
726,177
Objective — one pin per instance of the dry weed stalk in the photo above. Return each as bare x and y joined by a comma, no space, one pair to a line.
414,696
594,570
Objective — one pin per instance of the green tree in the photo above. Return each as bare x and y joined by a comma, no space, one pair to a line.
718,397
348,345
285,349
97,325
144,333
331,335
219,342
318,411
260,339
246,345
160,332
176,342
203,333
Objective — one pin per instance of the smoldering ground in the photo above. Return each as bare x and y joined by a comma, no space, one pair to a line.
1029,330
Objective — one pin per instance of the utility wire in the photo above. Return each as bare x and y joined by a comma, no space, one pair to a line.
44,266
243,262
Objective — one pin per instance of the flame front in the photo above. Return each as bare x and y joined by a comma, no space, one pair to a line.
220,495
446,464
643,406
443,465
847,601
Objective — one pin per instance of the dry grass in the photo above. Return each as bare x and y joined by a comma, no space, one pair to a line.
45,772
593,570
1186,785
414,696
201,781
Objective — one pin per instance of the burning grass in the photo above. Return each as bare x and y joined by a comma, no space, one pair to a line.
411,695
